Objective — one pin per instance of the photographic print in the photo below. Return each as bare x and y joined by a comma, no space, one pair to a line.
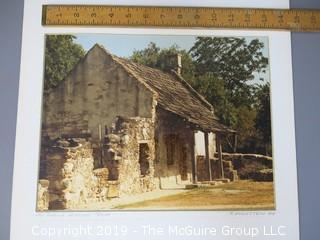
155,122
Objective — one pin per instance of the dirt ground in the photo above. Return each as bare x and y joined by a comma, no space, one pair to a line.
240,195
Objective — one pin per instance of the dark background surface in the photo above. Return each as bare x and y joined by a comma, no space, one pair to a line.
306,65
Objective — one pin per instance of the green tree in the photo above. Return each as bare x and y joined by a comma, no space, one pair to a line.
214,90
263,119
61,54
229,58
234,61
148,56
155,57
248,140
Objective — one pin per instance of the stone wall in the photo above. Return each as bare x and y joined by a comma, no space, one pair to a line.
68,177
123,155
251,166
237,166
128,166
102,185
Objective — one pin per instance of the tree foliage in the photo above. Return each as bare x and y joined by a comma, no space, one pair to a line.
263,119
61,54
155,57
229,58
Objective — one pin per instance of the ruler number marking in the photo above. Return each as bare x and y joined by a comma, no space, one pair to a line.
214,17
264,18
247,18
280,18
308,20
231,18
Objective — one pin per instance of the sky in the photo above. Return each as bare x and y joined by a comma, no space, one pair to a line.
124,45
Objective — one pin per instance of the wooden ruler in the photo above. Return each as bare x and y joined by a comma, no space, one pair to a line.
181,17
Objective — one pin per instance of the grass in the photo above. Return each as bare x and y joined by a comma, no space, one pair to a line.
244,195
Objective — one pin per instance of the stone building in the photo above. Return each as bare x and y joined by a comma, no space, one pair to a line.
147,127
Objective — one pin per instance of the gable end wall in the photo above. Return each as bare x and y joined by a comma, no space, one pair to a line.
95,93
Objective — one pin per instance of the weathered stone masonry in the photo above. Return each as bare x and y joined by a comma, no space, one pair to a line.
68,167
125,144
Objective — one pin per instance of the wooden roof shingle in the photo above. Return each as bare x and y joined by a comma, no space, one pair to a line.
175,95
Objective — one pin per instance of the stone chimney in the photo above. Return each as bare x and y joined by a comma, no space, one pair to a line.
173,62
178,66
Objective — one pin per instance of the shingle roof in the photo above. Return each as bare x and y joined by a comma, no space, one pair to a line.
175,95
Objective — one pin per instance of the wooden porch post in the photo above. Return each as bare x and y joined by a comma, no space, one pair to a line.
206,143
194,162
220,155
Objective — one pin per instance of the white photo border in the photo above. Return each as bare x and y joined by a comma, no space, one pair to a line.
24,216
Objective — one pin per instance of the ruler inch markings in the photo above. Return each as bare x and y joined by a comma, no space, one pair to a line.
181,17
